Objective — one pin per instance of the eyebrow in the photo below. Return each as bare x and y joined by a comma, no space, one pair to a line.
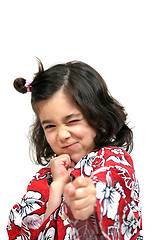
71,116
66,118
46,122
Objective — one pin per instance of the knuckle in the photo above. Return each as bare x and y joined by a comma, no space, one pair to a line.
90,180
52,160
79,180
76,205
66,156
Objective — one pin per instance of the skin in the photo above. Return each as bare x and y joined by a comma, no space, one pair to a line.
71,138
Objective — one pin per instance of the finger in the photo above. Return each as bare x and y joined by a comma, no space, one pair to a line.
69,190
78,187
83,214
59,167
82,203
85,192
81,182
65,160
80,193
72,165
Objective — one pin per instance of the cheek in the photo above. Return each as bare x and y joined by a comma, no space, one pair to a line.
92,137
50,139
88,135
92,133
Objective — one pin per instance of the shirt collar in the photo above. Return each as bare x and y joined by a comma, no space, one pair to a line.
84,166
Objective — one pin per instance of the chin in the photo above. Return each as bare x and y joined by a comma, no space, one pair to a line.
76,159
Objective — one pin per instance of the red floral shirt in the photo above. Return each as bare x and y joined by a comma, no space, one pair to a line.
117,213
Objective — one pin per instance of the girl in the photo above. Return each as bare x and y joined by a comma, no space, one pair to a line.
88,188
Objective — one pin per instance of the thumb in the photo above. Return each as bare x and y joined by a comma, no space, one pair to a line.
69,192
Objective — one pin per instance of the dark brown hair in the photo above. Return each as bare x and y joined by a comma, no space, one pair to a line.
89,91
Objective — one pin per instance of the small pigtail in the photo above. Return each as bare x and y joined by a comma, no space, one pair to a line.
21,85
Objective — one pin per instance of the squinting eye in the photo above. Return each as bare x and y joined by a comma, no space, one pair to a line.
49,126
74,121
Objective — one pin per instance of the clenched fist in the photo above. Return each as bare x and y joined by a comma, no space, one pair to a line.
80,196
61,167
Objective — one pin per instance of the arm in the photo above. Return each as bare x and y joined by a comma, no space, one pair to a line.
31,208
56,191
60,168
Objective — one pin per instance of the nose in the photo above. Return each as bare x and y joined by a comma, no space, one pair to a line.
63,134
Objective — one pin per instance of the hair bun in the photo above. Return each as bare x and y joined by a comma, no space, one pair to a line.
19,85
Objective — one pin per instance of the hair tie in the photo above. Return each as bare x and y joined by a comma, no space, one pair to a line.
27,85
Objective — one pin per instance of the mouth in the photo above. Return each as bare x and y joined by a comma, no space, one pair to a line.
72,145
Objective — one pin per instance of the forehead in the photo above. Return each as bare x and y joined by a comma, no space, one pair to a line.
60,105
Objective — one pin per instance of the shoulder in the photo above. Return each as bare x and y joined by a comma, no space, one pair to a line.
114,160
41,180
111,155
112,150
113,167
35,199
44,173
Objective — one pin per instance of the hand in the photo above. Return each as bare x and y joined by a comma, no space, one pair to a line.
80,196
61,167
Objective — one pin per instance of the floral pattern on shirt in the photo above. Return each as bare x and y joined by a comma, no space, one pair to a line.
117,215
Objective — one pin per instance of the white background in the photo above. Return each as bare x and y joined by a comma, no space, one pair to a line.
121,40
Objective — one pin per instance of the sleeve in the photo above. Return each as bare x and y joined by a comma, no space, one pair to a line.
83,229
118,206
26,217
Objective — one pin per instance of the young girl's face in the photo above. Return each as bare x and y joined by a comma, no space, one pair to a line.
65,128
